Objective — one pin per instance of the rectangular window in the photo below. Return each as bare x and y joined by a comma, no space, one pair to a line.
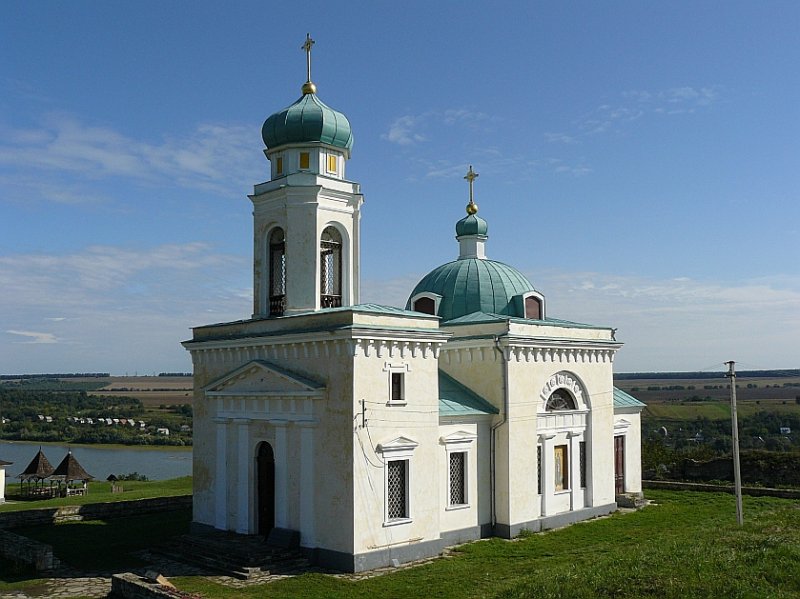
332,163
458,478
539,469
397,489
304,160
279,165
398,391
582,448
562,468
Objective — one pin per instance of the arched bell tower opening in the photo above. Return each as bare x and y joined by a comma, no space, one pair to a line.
277,272
330,268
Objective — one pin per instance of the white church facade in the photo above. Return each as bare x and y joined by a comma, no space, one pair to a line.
373,435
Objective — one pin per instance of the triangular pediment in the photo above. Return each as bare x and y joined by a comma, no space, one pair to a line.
458,437
263,378
398,444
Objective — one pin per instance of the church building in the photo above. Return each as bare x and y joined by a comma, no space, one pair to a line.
373,435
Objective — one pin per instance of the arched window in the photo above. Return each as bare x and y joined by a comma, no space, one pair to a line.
533,307
560,400
426,305
277,272
330,264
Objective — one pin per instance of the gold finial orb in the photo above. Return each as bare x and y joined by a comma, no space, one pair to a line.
309,88
472,208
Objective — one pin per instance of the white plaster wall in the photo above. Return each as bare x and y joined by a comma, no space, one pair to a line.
633,450
478,510
2,485
417,421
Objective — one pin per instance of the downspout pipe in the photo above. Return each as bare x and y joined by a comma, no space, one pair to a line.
493,436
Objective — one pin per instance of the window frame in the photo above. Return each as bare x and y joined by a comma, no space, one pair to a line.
304,156
562,485
392,370
397,450
459,442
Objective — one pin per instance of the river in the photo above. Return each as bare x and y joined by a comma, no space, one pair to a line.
155,464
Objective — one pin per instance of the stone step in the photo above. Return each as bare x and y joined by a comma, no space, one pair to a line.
238,556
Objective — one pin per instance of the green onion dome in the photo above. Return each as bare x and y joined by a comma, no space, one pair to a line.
474,285
472,224
307,120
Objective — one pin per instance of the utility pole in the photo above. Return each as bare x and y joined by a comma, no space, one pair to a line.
737,473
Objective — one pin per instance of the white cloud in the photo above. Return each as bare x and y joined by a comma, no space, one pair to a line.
402,131
212,157
116,308
34,337
666,324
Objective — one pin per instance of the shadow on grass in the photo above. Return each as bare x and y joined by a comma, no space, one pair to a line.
106,545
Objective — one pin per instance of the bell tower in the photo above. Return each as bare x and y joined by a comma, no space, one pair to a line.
306,217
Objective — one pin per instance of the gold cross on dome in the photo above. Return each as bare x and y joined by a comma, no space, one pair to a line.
471,176
307,47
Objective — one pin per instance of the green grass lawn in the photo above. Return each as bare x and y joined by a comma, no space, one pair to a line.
686,546
100,492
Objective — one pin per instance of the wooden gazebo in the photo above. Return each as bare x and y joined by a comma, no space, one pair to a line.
32,480
70,476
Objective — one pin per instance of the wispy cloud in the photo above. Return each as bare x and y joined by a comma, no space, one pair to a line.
34,337
686,323
110,304
212,157
411,129
403,131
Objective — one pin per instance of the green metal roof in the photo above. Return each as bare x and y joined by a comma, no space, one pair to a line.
472,225
624,400
473,285
457,400
307,120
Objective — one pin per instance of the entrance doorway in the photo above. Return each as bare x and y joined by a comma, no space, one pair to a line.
619,465
265,466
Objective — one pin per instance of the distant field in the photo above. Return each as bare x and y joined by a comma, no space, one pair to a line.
765,394
153,391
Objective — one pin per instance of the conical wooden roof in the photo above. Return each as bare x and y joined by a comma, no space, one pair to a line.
70,469
39,467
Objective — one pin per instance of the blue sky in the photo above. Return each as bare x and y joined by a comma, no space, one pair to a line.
638,162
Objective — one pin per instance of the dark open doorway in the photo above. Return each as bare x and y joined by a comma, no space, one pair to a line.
265,466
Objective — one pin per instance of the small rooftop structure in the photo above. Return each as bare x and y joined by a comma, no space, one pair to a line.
68,473
32,479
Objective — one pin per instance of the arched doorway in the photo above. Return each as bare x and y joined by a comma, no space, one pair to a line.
265,466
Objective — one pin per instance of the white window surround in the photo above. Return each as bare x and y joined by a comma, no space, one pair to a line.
396,368
399,449
539,297
458,442
433,296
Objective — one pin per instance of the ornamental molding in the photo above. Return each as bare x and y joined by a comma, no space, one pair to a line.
235,352
540,355
563,380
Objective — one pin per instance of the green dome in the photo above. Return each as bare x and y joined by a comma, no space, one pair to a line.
471,225
307,120
473,285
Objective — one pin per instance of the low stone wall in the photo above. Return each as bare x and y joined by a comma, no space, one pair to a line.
130,586
752,491
23,550
93,511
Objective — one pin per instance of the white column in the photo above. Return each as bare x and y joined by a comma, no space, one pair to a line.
548,473
245,483
220,479
281,474
576,493
307,490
